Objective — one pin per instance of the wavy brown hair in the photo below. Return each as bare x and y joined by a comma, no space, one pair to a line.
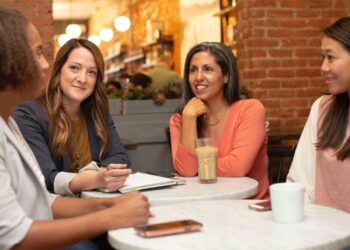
18,67
60,128
333,128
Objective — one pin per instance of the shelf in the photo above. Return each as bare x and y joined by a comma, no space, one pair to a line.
110,57
133,57
164,39
225,11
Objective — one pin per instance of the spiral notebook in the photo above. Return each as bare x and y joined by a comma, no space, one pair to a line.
141,181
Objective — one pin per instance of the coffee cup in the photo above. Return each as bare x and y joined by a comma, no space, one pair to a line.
287,201
207,159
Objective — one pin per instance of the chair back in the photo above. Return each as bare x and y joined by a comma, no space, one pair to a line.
280,159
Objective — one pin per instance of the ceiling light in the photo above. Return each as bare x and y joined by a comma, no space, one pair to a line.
122,23
73,30
62,39
106,34
95,39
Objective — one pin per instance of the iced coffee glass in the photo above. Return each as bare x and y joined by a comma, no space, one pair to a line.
207,159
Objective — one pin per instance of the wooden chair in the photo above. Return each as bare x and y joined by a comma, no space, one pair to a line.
280,159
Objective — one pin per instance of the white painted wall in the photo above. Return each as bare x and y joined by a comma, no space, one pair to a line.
198,24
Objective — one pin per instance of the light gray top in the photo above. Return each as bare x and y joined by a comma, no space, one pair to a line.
229,224
23,196
193,190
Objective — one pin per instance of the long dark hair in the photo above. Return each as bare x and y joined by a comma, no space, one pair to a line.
96,104
228,64
333,128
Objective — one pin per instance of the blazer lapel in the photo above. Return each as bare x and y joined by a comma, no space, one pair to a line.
15,136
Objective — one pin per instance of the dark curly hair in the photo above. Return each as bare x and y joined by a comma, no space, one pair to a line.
18,67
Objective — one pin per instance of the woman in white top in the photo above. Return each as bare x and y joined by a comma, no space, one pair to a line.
322,158
30,217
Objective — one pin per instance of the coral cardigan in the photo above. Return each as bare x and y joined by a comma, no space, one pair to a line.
242,145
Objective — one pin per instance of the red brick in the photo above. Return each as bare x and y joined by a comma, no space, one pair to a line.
255,74
281,93
273,103
334,13
320,3
281,73
307,53
288,83
292,23
308,92
259,42
292,3
318,23
279,33
307,32
281,52
280,13
265,84
308,13
282,112
294,102
315,62
292,42
259,93
264,63
315,42
317,82
256,53
294,63
308,72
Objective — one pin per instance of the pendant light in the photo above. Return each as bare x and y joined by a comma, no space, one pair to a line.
73,30
122,23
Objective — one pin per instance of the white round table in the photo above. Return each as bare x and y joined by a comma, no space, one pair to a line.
193,190
229,224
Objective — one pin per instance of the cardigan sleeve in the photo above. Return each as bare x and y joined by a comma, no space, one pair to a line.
185,162
247,140
303,166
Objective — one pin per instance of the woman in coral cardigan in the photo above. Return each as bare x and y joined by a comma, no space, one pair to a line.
212,108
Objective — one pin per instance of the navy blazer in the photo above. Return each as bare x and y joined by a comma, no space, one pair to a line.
32,119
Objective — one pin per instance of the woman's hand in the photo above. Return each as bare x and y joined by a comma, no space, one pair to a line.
132,210
114,176
194,108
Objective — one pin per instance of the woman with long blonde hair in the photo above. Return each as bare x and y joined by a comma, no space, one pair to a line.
70,129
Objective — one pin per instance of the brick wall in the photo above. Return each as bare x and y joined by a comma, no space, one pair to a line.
40,13
279,54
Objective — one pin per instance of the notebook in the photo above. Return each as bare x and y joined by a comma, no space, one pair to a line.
141,181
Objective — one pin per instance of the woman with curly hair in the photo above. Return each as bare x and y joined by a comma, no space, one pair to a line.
70,129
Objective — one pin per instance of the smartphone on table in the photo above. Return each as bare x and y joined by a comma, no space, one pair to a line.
261,206
168,228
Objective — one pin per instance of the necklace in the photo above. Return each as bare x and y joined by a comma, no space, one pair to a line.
218,121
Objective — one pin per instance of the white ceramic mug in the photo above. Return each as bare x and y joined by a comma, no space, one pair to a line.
287,201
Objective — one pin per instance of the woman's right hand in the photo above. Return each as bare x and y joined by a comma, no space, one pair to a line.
114,176
194,108
132,208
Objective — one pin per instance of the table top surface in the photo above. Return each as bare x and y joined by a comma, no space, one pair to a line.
229,224
193,190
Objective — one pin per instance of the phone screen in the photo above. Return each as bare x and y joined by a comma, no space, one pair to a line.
172,227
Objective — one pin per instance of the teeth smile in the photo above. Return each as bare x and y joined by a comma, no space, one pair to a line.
200,87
